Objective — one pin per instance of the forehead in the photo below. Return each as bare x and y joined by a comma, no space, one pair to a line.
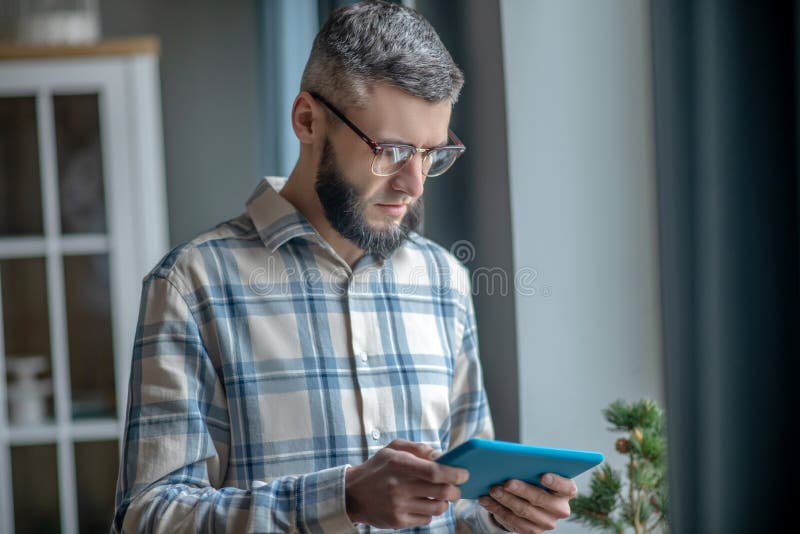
394,115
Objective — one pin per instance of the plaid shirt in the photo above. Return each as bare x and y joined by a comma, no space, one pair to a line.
264,366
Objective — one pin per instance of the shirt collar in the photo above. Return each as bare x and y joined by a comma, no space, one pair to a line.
276,220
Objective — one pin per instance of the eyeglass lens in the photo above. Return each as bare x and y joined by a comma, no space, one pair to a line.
391,159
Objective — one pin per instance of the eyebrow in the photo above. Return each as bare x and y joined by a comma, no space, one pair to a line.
392,141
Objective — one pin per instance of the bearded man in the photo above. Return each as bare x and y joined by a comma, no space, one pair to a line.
300,367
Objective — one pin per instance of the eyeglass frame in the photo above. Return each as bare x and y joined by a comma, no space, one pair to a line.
378,148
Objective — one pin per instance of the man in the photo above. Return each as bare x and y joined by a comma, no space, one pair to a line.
299,368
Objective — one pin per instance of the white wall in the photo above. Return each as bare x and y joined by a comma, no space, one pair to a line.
209,99
582,179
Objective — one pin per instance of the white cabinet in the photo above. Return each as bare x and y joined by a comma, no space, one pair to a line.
82,219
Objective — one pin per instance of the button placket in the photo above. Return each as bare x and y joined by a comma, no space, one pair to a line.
359,330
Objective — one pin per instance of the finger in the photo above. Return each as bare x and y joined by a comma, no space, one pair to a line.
420,450
508,519
428,470
553,503
558,484
523,509
493,507
425,506
440,492
507,526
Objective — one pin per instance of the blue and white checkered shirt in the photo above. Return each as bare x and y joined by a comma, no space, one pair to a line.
264,366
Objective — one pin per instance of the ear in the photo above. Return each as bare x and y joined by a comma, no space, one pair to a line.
308,118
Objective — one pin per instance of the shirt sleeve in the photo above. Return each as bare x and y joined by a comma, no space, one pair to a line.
470,416
177,439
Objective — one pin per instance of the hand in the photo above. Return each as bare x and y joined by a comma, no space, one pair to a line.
401,486
521,507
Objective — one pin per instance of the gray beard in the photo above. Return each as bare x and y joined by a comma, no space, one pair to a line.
344,210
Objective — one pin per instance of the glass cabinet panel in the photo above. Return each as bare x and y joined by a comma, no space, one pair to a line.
26,330
34,476
70,125
20,189
96,466
80,163
91,354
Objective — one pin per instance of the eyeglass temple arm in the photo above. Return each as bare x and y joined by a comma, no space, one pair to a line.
375,147
455,138
356,129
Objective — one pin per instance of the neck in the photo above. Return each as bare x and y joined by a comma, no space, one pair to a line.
299,190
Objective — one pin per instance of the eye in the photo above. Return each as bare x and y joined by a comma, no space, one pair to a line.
391,159
441,159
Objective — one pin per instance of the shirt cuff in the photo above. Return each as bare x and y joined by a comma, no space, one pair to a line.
321,505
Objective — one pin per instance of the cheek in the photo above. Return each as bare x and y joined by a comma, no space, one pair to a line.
359,175
370,188
357,171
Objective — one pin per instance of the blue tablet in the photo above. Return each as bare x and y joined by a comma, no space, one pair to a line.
491,463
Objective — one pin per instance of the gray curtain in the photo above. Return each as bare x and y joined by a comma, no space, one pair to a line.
726,115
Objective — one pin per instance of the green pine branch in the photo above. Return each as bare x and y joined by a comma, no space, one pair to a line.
640,501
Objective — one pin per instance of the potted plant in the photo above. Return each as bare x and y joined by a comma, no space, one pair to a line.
640,502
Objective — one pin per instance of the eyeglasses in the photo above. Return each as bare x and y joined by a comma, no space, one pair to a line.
389,158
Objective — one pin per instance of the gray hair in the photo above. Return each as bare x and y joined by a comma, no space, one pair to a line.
375,42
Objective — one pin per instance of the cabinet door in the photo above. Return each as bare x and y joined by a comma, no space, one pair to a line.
67,286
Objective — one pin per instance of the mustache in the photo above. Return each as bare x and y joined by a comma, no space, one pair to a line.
406,201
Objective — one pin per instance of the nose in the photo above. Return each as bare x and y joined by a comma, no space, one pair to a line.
410,179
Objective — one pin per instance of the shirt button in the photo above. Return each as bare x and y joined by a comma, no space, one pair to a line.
376,434
363,356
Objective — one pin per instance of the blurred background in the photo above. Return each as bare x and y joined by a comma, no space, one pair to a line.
628,207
